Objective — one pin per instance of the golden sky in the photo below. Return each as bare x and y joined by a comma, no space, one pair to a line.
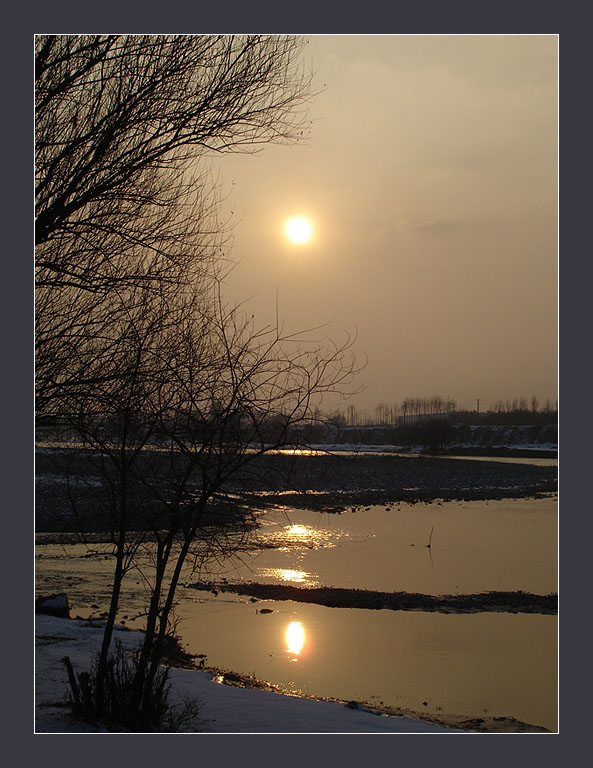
430,179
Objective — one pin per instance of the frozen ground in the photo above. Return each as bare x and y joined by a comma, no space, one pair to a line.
223,708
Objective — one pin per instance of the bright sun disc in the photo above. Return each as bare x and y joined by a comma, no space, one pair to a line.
298,230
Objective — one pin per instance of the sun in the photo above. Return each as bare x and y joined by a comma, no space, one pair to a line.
299,230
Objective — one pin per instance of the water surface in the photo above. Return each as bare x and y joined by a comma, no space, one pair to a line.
490,663
475,546
502,665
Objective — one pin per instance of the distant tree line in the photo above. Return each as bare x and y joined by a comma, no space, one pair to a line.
514,415
521,411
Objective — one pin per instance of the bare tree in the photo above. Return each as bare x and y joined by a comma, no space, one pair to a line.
121,125
111,110
136,351
177,423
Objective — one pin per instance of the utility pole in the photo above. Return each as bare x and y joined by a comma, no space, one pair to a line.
478,405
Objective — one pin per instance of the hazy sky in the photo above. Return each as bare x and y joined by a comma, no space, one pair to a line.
431,180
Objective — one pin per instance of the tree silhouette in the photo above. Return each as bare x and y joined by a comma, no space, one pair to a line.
136,351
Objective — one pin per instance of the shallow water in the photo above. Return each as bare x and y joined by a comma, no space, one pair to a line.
494,663
475,546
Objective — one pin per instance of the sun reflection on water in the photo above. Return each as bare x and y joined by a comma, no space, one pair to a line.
298,535
295,638
288,574
299,531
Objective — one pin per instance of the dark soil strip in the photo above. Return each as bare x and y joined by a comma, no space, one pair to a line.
340,501
504,602
69,482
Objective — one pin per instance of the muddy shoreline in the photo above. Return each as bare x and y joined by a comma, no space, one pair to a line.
333,597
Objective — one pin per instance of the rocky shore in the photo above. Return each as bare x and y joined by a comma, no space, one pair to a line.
327,482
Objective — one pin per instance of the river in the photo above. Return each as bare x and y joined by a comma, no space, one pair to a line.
500,664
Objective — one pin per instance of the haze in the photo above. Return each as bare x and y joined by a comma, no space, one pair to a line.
431,179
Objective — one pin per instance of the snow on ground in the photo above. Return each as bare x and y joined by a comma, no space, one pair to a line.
224,708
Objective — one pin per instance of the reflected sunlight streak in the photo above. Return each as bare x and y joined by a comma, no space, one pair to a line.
288,574
300,531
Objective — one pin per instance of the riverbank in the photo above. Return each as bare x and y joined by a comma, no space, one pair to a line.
345,484
225,704
327,482
228,702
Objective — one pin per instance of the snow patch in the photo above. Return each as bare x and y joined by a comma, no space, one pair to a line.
224,708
